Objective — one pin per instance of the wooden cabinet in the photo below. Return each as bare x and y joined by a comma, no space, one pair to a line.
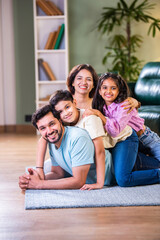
57,59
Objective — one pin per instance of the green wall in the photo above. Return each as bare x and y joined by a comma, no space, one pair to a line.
85,44
24,56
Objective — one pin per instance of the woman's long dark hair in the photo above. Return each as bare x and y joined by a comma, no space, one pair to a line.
98,102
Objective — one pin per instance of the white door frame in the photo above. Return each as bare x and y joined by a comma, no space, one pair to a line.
7,65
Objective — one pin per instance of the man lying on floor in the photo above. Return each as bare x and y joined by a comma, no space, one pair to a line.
71,152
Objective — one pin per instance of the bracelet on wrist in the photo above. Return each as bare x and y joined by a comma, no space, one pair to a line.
40,167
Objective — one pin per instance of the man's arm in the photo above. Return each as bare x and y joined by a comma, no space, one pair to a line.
75,182
56,173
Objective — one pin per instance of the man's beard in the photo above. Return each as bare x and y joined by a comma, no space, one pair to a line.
57,133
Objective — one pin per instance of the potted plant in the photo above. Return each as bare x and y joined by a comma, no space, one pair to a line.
123,47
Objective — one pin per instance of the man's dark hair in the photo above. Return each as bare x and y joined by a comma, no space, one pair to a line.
60,95
41,112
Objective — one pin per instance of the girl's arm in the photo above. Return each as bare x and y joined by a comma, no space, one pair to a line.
96,112
118,119
41,151
130,103
100,165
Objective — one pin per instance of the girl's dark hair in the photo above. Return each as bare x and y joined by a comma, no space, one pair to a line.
75,70
98,102
60,95
41,112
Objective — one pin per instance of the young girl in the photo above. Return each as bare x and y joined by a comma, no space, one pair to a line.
111,91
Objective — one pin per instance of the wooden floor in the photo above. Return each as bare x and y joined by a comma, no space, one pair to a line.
17,152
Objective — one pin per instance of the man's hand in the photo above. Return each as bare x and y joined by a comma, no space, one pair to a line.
23,181
30,180
34,181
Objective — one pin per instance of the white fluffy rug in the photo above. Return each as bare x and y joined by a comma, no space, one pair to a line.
106,197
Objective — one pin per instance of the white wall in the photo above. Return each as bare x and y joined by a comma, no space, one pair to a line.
1,74
7,66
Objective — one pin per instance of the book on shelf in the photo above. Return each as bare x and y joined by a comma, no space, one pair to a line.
45,7
54,8
48,7
50,40
59,38
47,69
54,38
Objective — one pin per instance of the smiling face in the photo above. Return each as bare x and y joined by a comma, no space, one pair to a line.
69,114
109,91
83,82
50,129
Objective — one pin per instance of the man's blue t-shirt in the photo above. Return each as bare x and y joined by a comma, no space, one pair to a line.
77,149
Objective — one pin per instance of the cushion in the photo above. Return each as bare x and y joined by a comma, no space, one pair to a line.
151,114
147,88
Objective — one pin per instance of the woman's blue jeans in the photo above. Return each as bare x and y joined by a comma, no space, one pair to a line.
125,154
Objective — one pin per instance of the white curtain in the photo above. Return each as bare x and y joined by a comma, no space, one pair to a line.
7,65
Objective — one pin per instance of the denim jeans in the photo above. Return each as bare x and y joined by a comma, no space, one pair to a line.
144,162
149,143
124,155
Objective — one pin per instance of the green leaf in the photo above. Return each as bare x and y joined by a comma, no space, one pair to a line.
145,5
104,60
118,5
132,5
154,31
124,5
